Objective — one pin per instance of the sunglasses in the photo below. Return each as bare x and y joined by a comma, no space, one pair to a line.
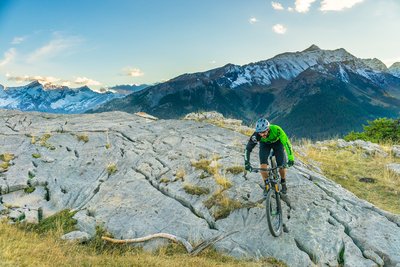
263,133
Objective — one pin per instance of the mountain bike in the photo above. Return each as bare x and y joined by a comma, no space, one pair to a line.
273,197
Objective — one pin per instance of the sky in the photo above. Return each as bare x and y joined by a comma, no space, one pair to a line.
103,43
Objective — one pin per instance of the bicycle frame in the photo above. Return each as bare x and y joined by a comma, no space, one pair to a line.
274,179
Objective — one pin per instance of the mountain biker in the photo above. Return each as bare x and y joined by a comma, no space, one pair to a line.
270,137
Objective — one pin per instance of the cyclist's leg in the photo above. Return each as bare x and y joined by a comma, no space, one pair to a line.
264,153
280,158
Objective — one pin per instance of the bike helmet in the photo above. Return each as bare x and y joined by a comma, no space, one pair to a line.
262,125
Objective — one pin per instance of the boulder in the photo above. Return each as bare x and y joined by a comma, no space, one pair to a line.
76,236
394,167
396,151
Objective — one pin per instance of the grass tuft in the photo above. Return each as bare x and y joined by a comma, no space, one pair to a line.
111,168
223,204
235,169
82,137
29,189
6,158
43,141
222,181
196,190
180,174
36,155
205,165
61,222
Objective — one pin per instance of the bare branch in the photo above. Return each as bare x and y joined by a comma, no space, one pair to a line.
192,251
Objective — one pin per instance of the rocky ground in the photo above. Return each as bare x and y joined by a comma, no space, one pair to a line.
136,175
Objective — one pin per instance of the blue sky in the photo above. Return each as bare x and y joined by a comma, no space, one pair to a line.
101,43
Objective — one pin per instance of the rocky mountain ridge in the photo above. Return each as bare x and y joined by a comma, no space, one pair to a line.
55,99
134,176
314,93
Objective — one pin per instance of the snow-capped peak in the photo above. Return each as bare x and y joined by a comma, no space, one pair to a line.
375,64
56,99
312,48
395,69
288,65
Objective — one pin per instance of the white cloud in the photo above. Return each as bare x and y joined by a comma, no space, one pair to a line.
49,80
26,78
253,20
133,72
338,5
86,81
279,28
277,6
290,9
303,6
213,62
56,46
9,55
18,40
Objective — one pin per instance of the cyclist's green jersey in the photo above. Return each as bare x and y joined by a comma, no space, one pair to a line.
275,134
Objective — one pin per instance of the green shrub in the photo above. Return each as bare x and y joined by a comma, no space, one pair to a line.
29,189
379,130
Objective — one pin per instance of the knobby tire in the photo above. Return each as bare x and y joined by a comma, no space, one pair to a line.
274,213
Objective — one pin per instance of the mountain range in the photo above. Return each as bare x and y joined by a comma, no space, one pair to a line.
53,99
314,93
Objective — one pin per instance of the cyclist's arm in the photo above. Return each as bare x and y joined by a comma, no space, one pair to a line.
250,146
286,143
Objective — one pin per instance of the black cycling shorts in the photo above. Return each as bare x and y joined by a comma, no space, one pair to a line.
278,149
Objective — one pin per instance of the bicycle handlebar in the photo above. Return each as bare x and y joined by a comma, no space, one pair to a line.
267,170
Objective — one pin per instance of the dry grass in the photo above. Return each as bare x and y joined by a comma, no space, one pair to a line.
222,203
205,165
6,158
111,168
82,137
234,127
180,174
235,169
23,248
347,166
165,180
33,140
222,181
43,141
195,190
219,202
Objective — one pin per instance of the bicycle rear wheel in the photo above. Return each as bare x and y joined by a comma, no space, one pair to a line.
274,213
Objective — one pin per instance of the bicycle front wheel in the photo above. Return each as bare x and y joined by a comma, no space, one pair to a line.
274,213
